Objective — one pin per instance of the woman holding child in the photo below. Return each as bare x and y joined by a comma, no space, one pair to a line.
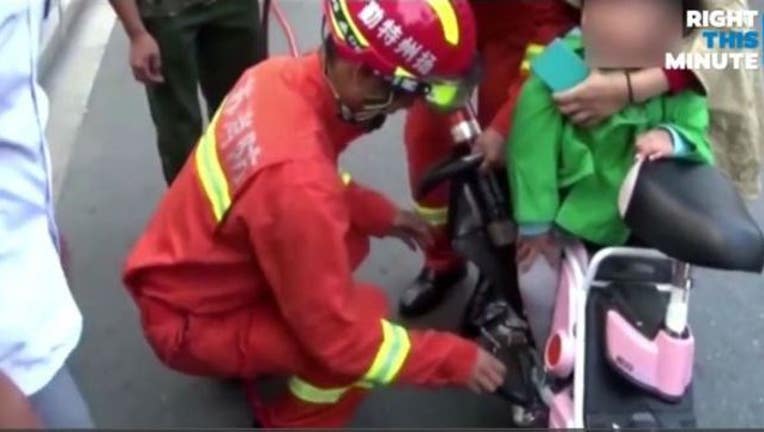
569,151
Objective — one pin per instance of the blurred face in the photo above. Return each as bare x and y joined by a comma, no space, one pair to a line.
630,33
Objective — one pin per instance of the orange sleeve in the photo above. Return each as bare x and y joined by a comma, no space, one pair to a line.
299,240
370,211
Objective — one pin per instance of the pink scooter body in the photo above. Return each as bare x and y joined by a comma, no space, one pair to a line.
559,353
561,411
662,365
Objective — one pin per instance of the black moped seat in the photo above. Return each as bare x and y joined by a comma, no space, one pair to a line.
693,213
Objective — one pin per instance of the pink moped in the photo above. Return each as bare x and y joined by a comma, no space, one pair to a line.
620,352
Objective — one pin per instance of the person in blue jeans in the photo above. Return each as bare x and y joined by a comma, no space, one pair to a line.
40,324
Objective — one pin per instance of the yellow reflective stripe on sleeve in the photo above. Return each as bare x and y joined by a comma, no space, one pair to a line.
392,353
309,393
531,52
447,17
210,172
351,20
346,178
434,216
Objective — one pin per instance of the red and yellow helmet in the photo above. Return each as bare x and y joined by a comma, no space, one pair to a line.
427,46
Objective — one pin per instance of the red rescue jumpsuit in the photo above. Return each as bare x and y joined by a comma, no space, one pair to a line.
509,32
245,270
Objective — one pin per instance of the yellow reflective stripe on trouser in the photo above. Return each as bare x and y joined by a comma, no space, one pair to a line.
435,216
309,393
392,353
531,52
211,173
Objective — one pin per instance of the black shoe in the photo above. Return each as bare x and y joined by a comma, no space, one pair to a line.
428,290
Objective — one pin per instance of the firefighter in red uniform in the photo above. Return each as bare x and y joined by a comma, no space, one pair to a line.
245,270
510,33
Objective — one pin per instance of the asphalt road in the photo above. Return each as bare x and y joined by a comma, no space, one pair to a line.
112,185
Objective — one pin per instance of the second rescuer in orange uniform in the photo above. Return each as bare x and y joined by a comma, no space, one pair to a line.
510,32
245,269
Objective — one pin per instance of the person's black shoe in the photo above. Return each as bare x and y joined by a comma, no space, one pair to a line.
428,290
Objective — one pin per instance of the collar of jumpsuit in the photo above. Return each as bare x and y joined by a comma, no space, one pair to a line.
319,94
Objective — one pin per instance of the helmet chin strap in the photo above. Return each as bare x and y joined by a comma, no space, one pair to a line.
371,117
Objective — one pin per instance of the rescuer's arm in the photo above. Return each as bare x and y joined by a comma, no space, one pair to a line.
370,211
300,242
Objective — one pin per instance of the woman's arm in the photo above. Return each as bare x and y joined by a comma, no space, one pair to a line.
681,79
603,94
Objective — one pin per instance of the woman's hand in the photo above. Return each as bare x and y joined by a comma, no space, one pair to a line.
600,96
654,144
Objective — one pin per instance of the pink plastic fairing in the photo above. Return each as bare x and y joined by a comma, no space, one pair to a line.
559,352
663,365
561,411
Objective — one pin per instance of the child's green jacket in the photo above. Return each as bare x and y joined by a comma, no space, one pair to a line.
570,176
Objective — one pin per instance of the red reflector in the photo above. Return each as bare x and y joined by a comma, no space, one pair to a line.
554,350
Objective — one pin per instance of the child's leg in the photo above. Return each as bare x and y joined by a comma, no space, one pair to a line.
538,289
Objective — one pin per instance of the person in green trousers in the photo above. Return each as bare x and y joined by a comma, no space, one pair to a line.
177,46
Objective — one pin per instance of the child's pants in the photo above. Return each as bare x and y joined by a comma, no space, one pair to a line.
538,289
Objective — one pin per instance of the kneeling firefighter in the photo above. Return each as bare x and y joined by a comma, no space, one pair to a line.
246,268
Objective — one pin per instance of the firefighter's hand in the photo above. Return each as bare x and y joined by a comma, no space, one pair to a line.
600,96
491,143
531,247
412,230
487,374
655,144
146,59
